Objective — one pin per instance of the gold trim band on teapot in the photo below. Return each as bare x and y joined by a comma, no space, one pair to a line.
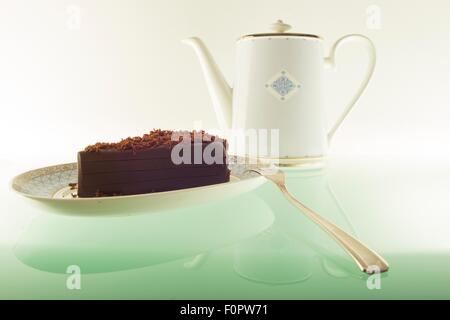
259,35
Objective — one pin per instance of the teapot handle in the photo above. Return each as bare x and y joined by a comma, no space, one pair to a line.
330,61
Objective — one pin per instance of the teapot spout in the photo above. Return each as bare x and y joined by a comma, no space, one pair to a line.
219,90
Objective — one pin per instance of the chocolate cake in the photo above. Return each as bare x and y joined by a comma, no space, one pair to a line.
161,160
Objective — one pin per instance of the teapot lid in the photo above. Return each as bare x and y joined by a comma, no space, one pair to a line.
279,30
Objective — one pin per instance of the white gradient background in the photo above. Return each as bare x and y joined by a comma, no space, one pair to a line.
124,71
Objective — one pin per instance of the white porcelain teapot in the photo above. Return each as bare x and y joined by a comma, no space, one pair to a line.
278,85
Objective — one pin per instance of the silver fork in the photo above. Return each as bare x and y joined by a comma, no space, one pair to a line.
366,259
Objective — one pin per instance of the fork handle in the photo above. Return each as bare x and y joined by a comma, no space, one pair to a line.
366,259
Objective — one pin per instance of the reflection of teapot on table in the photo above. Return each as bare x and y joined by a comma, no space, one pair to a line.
278,85
288,251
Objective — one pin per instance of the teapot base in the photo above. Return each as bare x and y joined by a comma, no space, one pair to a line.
317,162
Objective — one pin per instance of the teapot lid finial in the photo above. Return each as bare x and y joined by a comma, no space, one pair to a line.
280,26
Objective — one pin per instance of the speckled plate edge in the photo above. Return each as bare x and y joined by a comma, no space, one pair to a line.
44,183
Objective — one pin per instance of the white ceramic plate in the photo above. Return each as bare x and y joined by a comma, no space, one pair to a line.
49,186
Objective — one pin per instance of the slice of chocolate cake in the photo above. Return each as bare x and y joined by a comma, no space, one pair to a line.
159,161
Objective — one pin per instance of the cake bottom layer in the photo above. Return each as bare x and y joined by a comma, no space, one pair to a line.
155,185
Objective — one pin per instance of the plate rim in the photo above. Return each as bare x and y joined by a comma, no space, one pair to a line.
13,182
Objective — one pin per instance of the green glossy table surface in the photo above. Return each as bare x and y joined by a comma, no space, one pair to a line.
254,246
